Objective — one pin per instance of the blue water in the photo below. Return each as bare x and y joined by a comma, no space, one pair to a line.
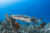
36,8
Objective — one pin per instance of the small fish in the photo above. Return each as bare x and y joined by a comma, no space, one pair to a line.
6,15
